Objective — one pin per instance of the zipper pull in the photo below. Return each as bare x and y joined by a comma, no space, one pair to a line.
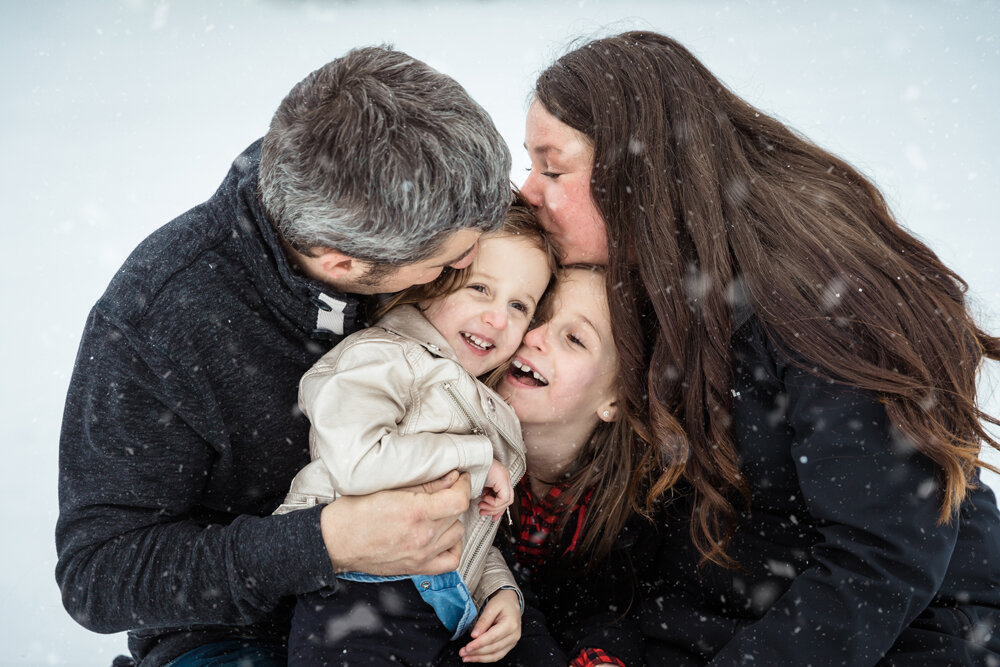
510,522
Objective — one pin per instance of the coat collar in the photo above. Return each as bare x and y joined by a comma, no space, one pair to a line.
317,308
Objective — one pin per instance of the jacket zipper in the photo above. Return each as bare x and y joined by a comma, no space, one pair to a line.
464,409
517,470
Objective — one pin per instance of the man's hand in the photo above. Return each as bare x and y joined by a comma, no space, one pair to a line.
402,531
497,629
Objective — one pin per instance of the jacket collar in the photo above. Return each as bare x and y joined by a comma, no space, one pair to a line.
317,308
408,321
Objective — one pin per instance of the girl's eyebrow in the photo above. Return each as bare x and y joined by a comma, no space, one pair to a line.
586,322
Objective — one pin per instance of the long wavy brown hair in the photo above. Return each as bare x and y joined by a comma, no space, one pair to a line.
701,192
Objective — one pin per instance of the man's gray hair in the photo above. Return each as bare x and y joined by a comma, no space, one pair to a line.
381,157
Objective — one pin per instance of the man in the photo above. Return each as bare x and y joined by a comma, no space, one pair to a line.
181,432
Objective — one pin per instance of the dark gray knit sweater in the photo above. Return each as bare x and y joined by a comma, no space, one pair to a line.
181,434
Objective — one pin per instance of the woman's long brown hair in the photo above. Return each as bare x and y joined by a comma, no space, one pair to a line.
705,197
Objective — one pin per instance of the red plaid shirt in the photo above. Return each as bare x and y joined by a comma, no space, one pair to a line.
538,519
590,657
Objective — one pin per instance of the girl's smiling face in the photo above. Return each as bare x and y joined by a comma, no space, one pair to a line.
485,320
558,187
565,371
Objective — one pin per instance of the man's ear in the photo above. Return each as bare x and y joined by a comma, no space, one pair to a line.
334,265
608,411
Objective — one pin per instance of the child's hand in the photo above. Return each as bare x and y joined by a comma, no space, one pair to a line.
497,629
497,491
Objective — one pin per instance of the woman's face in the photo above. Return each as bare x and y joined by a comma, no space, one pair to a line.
564,371
558,186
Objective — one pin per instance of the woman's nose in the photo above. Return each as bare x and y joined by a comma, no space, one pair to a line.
531,191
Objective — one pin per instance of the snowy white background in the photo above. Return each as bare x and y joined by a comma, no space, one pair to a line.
117,116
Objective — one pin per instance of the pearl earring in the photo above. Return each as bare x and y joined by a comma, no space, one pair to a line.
607,414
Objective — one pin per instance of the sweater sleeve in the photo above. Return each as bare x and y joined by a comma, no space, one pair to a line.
139,544
882,555
357,406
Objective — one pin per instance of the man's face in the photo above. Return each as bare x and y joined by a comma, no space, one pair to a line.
457,251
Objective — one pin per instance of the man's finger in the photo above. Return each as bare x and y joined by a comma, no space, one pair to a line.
448,551
445,481
451,501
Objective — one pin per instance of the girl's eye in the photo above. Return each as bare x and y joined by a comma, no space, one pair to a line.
517,305
575,341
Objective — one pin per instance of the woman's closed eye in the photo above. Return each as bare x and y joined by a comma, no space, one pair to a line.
547,174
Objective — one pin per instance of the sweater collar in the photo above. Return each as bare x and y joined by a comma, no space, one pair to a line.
317,308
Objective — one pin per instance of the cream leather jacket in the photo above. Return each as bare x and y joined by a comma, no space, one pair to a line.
390,406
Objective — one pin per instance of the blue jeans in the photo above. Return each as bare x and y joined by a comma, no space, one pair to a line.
234,653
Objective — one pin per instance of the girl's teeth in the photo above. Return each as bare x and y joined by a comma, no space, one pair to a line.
525,368
479,342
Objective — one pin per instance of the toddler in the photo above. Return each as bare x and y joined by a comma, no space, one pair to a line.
400,404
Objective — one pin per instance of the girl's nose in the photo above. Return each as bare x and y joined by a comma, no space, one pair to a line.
537,337
496,317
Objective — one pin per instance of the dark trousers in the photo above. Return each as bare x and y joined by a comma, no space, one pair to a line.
384,623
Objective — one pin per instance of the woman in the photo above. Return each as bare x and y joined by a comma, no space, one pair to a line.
807,366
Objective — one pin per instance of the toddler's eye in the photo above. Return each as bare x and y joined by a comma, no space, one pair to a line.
478,288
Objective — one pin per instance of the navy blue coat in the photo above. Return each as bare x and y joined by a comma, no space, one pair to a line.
844,561
181,434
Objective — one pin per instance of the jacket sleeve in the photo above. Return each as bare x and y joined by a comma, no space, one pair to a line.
496,575
355,407
882,555
136,545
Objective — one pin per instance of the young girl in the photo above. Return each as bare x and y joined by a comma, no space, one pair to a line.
399,404
575,535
